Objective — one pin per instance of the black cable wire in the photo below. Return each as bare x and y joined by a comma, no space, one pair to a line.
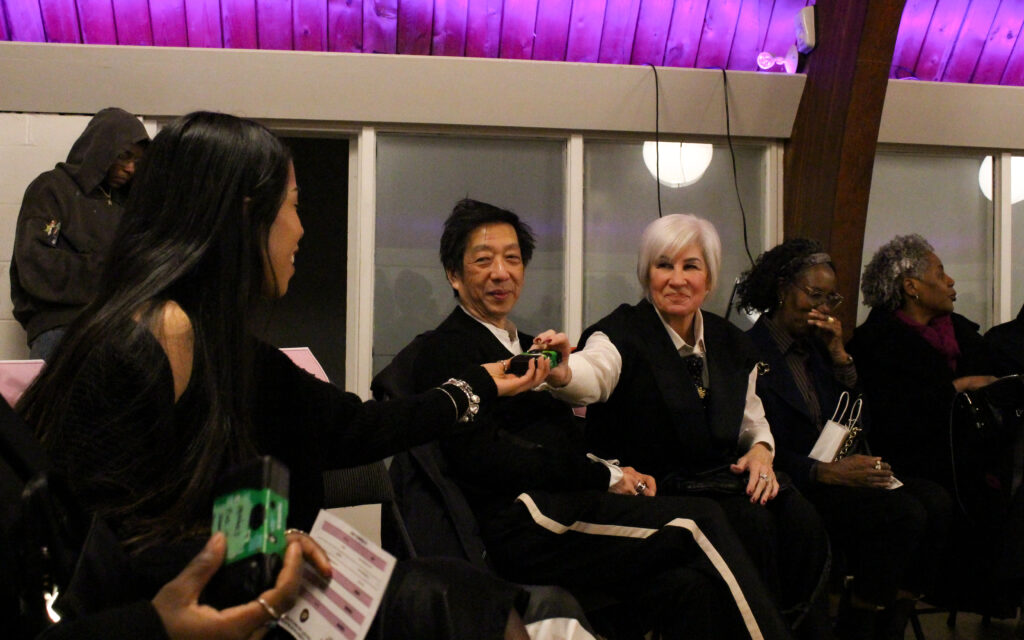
735,177
657,133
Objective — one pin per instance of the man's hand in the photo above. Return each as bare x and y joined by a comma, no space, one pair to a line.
556,341
634,483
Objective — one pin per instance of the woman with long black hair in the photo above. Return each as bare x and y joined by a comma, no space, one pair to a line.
159,386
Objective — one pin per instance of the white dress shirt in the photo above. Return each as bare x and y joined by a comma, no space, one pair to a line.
597,366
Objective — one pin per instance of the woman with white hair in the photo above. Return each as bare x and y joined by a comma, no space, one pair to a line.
671,391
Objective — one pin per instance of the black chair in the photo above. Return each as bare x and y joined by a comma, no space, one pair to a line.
370,484
42,534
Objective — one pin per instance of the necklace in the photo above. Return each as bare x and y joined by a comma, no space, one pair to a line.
108,194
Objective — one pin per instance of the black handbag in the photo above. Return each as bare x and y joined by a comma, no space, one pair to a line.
720,481
994,413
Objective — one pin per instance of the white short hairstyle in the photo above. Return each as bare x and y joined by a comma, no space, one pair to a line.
668,235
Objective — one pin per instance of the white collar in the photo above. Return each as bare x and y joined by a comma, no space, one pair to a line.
509,338
681,346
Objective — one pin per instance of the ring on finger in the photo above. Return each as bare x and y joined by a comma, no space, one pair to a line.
640,487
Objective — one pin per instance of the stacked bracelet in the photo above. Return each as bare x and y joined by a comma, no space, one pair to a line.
473,400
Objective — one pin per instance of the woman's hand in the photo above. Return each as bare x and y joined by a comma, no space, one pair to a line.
970,383
856,471
762,485
556,341
634,483
509,385
177,603
830,331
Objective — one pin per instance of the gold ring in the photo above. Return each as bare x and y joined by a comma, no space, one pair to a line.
878,464
831,319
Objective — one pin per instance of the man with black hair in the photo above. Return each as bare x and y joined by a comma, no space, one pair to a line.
66,224
548,512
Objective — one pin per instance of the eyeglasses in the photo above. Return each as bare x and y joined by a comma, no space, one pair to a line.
818,297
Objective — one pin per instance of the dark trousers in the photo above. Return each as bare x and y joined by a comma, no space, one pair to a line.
673,562
786,540
888,540
445,599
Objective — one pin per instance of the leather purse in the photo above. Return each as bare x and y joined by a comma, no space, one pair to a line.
994,413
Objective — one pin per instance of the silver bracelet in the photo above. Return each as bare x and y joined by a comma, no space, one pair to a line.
474,400
450,397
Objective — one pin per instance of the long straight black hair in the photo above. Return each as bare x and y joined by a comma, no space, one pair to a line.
194,231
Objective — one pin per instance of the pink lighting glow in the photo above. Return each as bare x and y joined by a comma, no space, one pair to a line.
943,40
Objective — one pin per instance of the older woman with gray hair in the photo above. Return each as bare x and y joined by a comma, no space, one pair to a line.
671,390
914,354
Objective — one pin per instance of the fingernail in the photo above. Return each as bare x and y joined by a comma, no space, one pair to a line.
214,544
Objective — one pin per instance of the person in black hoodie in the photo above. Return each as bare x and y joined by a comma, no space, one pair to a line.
66,224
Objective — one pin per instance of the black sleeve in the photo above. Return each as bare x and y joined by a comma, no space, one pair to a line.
506,451
50,268
138,620
341,430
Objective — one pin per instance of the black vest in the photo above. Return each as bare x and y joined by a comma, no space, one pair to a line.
654,420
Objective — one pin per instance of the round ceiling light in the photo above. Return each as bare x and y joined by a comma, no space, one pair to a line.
680,163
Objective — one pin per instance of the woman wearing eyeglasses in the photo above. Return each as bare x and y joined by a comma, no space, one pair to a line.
879,534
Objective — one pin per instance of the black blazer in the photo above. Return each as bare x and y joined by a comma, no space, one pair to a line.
909,390
794,429
1006,341
527,443
654,420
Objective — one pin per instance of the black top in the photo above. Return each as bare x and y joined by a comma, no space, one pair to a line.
1006,342
654,420
124,435
909,390
529,442
137,621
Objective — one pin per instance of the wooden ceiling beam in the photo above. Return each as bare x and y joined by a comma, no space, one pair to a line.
831,154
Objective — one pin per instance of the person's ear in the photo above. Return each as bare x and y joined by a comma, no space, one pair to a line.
910,287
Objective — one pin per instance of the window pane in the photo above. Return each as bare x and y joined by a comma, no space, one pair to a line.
938,197
1017,241
620,199
419,180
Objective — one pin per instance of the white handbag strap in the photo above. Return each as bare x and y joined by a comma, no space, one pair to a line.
844,401
855,412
